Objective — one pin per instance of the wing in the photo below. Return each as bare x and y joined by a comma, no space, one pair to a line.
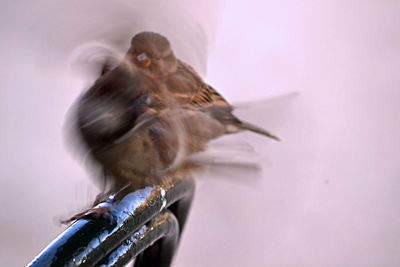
199,93
207,96
209,100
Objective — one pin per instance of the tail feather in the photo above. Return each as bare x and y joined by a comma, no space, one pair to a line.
256,129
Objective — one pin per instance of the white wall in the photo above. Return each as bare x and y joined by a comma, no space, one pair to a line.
329,192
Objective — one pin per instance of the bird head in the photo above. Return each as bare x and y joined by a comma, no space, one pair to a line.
152,53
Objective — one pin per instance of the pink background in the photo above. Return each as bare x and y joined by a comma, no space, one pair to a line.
329,193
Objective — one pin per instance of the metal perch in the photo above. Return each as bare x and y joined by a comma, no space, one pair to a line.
146,224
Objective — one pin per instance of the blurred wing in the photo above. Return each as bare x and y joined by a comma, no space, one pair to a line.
229,158
273,112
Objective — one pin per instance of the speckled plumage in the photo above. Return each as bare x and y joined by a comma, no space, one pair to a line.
142,119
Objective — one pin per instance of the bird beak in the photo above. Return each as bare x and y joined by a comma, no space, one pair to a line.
144,60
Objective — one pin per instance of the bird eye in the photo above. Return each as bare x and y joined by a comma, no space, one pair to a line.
144,60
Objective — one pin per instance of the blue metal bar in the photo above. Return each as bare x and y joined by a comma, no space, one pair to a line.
165,228
88,242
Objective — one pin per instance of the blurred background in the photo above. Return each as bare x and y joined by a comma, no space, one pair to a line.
323,75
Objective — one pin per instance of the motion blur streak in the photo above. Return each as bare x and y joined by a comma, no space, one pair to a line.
330,190
52,29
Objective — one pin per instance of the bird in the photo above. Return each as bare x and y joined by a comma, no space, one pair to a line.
153,56
142,119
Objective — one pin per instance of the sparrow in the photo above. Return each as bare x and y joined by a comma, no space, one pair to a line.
153,56
143,119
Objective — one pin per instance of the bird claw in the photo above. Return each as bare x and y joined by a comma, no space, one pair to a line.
98,212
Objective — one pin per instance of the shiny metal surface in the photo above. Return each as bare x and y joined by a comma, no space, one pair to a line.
136,221
164,227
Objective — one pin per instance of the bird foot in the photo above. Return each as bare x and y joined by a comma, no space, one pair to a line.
98,212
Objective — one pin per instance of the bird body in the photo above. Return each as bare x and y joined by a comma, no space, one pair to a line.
144,118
